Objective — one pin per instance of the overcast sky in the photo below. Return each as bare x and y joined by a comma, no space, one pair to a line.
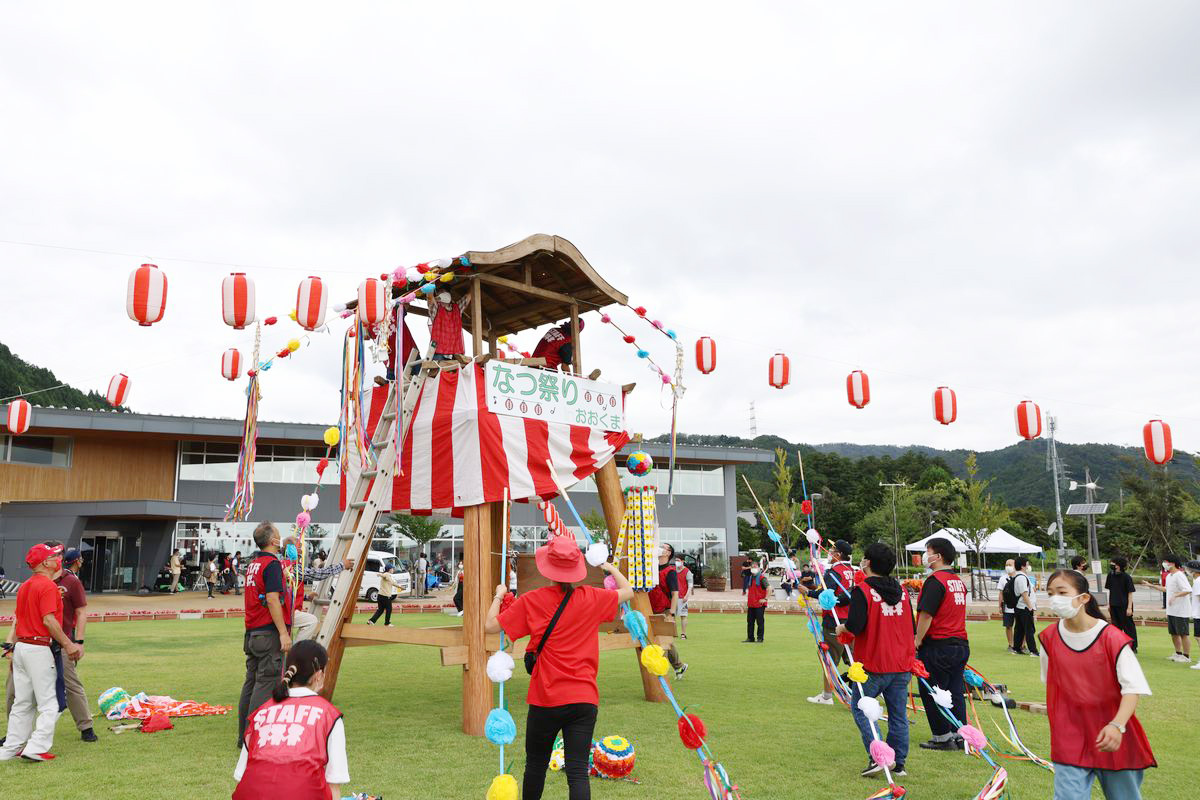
1001,198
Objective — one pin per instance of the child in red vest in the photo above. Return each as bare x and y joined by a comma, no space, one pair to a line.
756,604
295,744
1093,681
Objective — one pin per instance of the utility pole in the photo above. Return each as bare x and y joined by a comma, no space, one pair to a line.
1056,467
1093,542
895,523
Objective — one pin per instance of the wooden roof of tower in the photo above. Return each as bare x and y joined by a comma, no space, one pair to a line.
535,282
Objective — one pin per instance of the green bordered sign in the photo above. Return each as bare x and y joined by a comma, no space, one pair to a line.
516,391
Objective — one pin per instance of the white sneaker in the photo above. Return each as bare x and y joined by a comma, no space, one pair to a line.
1181,659
1196,665
821,700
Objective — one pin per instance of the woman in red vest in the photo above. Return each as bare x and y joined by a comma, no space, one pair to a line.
295,744
1093,681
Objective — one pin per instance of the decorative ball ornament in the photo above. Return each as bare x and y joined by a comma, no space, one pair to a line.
945,405
311,301
706,355
858,389
613,757
596,554
146,295
504,787
779,372
500,727
237,300
332,436
372,301
113,702
20,414
231,364
118,390
812,536
692,731
639,463
1156,435
1029,420
870,708
654,659
293,345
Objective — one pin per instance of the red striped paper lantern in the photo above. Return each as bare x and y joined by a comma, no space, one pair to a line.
237,300
1029,420
310,303
1157,437
779,373
118,390
706,355
20,414
945,405
146,296
372,301
858,389
231,364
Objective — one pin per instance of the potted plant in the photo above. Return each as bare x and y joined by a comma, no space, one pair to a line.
716,574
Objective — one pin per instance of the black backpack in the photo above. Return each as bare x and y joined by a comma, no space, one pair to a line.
1009,593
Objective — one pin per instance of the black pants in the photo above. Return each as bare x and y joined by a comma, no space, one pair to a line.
576,721
1124,623
1025,631
458,597
945,660
384,607
755,616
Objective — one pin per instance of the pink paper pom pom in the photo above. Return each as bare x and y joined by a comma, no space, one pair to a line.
973,736
882,753
610,582
302,519
657,324
666,378
605,318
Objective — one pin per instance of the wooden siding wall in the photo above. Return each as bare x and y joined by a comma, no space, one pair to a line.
101,469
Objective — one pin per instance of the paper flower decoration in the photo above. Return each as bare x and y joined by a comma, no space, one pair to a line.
806,508
692,731
613,757
635,623
655,660
610,582
332,436
942,697
918,669
500,727
814,627
869,706
846,637
857,673
882,753
973,678
973,736
304,502
774,537
596,554
321,465
504,787
827,599
293,345
500,666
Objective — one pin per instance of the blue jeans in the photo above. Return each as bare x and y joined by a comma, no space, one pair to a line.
894,688
1075,783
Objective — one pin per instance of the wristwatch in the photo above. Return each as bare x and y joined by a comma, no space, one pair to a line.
1120,728
80,641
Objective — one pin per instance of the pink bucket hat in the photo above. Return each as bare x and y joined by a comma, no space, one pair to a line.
561,560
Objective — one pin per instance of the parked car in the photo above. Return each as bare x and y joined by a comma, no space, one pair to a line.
377,562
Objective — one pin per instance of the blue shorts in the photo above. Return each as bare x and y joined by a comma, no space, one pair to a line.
1075,783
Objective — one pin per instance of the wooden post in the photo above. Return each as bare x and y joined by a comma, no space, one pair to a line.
577,361
336,645
612,500
477,318
477,596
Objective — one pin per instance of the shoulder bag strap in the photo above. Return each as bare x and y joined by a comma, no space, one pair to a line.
554,620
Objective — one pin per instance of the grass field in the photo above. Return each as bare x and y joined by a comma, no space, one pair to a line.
402,718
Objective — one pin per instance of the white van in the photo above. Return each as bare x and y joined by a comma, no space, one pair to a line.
377,562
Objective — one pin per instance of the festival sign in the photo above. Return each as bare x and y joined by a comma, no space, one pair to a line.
517,391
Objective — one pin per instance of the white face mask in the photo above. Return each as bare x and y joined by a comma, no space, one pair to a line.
1064,606
1166,566
1010,569
927,560
754,571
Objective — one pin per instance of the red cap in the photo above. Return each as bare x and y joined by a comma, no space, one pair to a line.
561,560
39,553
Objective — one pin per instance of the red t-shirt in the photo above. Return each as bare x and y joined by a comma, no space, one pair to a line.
36,598
566,669
73,598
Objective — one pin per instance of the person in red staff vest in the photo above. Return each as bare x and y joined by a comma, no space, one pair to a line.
446,325
840,578
563,656
941,641
1093,681
268,621
756,604
295,743
36,637
665,598
557,347
881,620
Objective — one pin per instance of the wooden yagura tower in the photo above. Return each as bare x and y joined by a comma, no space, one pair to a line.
540,280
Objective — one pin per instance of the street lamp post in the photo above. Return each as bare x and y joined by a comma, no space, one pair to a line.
813,498
895,522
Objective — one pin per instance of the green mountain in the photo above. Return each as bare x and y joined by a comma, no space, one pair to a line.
18,376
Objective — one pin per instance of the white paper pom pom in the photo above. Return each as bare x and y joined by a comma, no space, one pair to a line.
597,553
413,274
313,499
942,697
500,667
338,308
869,706
812,536
441,263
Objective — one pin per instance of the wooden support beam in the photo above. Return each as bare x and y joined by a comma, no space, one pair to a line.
476,317
577,361
449,636
612,500
337,644
525,288
477,596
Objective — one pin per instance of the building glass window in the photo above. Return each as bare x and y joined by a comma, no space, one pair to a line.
40,451
273,463
690,479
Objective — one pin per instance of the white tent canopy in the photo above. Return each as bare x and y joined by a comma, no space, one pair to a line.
998,541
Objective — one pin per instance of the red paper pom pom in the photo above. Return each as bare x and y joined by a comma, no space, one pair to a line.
284,353
846,638
506,601
640,311
692,731
250,373
321,465
825,646
630,339
918,668
270,320
806,507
